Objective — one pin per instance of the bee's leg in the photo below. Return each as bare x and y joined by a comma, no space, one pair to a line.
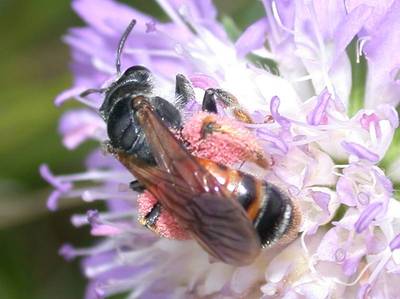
230,101
183,91
137,186
208,128
227,100
151,218
210,101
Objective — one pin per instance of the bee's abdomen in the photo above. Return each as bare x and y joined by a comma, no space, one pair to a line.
272,212
275,215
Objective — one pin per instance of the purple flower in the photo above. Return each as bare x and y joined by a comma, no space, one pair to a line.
324,158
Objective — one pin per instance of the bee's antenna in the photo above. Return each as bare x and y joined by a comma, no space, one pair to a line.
92,90
121,45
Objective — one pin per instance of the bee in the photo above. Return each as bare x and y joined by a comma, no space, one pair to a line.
231,214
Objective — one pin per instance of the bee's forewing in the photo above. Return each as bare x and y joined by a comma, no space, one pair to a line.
172,157
189,192
222,228
219,224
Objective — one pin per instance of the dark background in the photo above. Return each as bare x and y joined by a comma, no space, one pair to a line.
34,69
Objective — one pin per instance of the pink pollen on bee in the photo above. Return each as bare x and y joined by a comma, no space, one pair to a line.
231,144
166,226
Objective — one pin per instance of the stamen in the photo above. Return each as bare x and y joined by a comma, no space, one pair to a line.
367,216
81,220
360,151
69,252
90,195
274,107
52,201
316,116
358,278
96,175
360,45
395,243
56,181
94,271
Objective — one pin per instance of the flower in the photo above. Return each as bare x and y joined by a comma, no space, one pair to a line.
293,72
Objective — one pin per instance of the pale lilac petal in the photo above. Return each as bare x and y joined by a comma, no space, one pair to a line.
199,9
383,42
107,16
329,246
351,264
78,125
276,140
360,151
252,38
350,25
98,160
151,27
363,198
329,15
68,94
379,7
203,81
363,291
346,195
384,182
313,291
285,16
199,12
322,200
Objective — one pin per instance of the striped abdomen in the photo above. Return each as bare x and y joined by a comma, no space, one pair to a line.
273,213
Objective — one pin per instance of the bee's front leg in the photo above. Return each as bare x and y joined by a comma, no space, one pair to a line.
183,91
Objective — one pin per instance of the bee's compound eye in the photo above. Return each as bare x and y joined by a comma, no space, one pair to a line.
125,133
119,123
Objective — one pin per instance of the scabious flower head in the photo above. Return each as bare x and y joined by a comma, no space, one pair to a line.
294,73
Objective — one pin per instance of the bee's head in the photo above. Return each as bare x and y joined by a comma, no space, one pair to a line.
136,80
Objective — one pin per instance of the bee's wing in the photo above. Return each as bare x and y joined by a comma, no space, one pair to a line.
220,225
222,228
172,157
198,201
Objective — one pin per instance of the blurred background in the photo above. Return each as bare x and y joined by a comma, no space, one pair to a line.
33,70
